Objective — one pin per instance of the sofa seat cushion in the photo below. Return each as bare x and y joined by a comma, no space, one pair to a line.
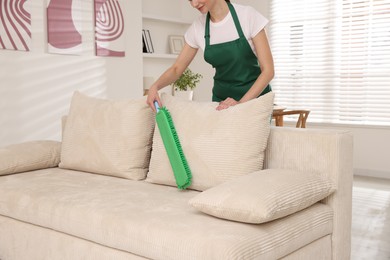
149,220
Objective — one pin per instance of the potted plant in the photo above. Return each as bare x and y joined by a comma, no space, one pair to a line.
184,85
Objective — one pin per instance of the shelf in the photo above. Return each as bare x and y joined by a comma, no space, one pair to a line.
159,56
165,19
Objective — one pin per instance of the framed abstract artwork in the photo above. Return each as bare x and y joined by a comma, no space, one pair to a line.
64,23
109,28
15,25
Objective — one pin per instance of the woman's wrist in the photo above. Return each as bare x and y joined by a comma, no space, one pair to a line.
154,87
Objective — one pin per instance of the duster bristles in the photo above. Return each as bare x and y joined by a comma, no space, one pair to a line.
173,148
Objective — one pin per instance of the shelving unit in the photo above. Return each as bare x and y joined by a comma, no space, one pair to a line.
159,56
165,19
160,28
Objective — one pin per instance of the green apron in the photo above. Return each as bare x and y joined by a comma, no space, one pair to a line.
236,66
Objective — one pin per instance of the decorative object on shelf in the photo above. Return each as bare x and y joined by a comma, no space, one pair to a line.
147,41
64,26
184,85
109,28
176,43
15,25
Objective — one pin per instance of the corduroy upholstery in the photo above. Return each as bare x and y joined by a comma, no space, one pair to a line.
108,137
29,156
263,196
60,214
325,152
149,220
218,145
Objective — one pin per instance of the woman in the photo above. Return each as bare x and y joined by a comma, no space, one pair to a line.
234,42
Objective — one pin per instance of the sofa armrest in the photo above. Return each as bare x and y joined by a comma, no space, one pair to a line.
29,156
325,152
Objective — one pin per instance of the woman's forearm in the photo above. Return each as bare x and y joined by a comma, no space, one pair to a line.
167,78
258,87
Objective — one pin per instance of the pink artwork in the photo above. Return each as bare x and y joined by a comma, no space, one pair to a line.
109,27
15,25
64,26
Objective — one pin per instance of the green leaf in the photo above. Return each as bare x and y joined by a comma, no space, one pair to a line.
188,80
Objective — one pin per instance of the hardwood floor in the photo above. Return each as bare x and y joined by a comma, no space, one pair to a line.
370,219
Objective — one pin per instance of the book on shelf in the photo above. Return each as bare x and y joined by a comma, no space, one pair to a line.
147,45
144,48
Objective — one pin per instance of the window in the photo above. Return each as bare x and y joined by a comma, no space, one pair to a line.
333,57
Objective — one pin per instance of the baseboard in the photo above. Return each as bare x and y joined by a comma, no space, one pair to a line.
372,173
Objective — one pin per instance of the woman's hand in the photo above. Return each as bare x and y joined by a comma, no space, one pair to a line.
153,96
227,103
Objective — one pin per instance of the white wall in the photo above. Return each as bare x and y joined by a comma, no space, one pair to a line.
36,87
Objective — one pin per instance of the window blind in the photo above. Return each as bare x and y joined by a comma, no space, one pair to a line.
333,58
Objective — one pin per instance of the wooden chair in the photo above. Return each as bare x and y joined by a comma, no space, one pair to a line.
279,113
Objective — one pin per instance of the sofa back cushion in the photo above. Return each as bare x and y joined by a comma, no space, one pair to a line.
108,137
29,156
218,145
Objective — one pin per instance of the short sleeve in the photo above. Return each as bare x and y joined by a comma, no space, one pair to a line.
190,36
257,21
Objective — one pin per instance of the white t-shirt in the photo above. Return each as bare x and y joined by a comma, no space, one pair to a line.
252,22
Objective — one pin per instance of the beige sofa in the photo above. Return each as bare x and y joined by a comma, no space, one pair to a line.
50,210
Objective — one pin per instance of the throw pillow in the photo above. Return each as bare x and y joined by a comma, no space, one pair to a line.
108,137
263,196
218,145
29,156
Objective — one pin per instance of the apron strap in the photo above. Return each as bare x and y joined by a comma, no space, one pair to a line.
236,23
207,29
